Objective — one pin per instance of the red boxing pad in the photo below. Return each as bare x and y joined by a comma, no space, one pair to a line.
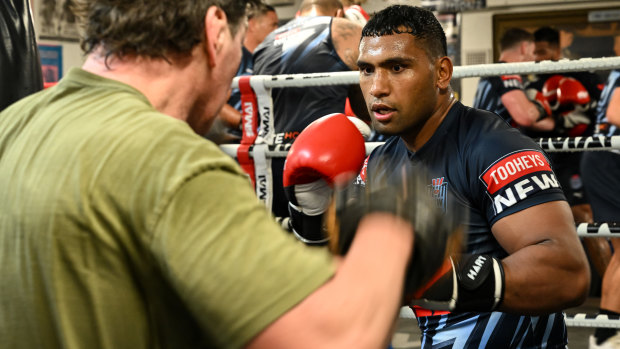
571,91
550,88
330,148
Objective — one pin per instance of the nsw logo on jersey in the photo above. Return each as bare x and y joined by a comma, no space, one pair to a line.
439,191
516,176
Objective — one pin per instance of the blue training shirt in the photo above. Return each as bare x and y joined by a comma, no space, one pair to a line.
303,45
603,126
490,91
477,161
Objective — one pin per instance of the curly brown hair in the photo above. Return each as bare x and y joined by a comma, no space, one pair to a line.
152,28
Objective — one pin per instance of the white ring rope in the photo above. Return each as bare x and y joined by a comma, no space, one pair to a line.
568,144
588,320
609,229
551,145
584,230
572,320
478,70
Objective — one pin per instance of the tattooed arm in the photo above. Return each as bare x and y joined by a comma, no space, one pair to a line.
346,38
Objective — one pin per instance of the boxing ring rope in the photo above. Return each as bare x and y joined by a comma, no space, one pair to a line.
257,153
587,320
608,229
468,71
551,145
572,320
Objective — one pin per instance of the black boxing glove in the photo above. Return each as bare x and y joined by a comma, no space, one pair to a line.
470,282
437,234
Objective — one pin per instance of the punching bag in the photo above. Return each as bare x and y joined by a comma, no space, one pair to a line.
20,67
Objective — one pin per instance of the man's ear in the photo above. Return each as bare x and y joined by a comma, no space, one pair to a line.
523,47
339,13
251,24
444,72
216,28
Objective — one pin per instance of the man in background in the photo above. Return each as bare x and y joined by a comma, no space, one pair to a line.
262,20
318,40
573,97
505,95
601,177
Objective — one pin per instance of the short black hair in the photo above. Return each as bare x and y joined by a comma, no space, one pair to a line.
260,9
513,37
404,19
547,34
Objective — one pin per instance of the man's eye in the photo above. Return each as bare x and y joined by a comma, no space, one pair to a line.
366,70
397,67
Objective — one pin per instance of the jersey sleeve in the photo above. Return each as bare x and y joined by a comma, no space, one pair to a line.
232,265
511,173
509,83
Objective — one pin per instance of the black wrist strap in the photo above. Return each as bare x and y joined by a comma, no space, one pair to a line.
559,124
308,229
480,283
542,113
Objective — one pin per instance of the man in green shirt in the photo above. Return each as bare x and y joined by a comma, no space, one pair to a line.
121,227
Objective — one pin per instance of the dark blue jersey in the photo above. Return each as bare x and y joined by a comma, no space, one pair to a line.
603,127
303,45
490,91
479,162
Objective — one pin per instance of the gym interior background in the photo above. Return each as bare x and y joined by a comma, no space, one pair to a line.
473,28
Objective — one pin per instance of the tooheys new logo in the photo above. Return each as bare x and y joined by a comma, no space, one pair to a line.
516,176
512,81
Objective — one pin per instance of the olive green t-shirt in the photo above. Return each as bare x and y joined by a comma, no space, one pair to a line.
122,228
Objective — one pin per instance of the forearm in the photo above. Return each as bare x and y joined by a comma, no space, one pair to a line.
358,306
368,286
546,124
545,277
523,111
377,302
